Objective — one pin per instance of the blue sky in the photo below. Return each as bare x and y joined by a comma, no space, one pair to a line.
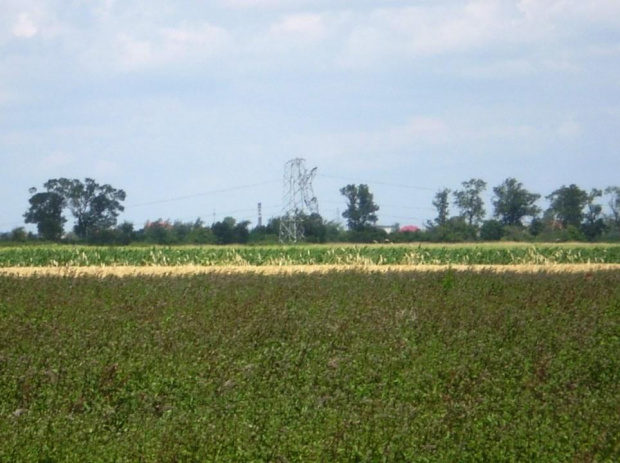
186,99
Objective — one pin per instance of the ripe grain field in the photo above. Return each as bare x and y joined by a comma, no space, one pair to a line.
330,366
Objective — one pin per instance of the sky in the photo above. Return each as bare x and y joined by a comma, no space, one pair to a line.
194,107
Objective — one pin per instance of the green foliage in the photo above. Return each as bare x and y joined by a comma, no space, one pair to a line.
442,204
455,230
46,212
491,230
512,202
567,205
449,366
95,207
228,231
469,201
366,235
614,204
361,208
18,235
158,232
593,225
472,254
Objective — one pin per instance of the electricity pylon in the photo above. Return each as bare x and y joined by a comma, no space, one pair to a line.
298,200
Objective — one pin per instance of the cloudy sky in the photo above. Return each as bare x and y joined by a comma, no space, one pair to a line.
193,107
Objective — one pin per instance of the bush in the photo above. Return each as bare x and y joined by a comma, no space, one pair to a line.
492,230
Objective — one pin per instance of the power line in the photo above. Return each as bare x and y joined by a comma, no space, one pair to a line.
11,224
384,206
411,187
205,193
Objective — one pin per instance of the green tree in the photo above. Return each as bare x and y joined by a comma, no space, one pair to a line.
567,204
18,235
125,233
456,229
442,204
593,225
158,232
491,230
512,202
228,231
95,207
361,208
46,212
614,204
315,230
469,201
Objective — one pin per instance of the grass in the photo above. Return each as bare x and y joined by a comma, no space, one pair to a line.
348,366
479,254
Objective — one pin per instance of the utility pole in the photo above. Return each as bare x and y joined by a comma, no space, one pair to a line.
260,214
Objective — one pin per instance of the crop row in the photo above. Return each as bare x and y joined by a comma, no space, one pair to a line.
442,366
309,255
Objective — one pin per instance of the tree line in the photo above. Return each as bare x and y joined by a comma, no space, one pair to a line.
573,214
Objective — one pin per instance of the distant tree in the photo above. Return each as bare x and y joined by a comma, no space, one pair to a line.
315,230
182,230
361,208
242,232
469,201
224,230
537,226
95,207
614,204
593,225
125,233
567,204
46,212
512,202
491,230
228,231
456,229
442,204
200,233
18,235
158,232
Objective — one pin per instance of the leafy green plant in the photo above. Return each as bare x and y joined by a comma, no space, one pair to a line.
341,366
501,254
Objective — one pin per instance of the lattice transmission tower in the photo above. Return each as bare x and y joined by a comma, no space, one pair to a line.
298,200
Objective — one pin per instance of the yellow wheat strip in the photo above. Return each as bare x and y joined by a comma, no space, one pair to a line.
121,271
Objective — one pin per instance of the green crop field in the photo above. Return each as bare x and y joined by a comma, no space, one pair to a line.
342,366
479,254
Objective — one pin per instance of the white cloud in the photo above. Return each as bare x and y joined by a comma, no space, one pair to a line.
134,53
203,39
25,27
362,147
105,167
387,35
306,26
261,3
599,11
55,160
183,45
426,31
569,128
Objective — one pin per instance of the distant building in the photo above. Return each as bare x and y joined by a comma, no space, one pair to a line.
409,228
388,228
396,228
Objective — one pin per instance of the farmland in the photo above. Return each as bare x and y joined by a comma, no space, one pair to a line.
408,255
331,366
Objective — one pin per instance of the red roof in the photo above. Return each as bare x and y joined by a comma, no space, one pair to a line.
409,228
